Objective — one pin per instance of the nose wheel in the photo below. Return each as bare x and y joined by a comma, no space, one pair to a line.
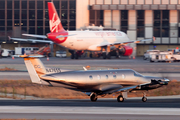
144,98
120,98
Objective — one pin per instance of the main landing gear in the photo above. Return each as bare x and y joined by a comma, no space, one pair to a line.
120,98
93,97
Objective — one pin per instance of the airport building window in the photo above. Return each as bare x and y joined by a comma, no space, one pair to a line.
16,23
72,4
9,4
24,4
31,4
2,23
161,23
2,4
124,20
16,4
31,14
96,17
40,23
16,14
23,22
140,23
56,4
31,22
40,30
24,14
9,23
32,30
2,16
64,4
40,14
9,14
39,4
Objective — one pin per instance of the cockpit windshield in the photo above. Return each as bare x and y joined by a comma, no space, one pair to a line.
137,74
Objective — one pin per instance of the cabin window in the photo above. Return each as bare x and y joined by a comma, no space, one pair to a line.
123,76
98,77
114,76
106,76
90,77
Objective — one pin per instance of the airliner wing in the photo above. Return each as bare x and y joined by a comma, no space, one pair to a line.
30,40
126,42
44,37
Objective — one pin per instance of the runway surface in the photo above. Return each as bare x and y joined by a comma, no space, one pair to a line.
159,108
25,76
156,108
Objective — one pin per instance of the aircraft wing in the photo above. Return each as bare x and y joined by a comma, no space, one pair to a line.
115,89
126,42
30,40
45,37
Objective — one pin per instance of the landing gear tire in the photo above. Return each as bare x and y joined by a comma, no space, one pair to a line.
109,56
144,99
93,97
104,56
91,56
120,98
76,56
72,56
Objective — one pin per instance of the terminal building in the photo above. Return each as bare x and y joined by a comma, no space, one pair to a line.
140,19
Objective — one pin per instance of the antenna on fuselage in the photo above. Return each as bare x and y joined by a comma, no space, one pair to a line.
84,68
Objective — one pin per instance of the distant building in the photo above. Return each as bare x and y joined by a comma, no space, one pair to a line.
140,19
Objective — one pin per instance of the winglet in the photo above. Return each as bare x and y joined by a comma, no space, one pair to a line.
9,38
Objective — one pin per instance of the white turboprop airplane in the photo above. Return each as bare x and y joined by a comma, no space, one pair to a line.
86,40
94,83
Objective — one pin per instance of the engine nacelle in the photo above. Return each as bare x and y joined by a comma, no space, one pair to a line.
125,50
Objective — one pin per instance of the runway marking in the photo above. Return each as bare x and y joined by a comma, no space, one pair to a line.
90,110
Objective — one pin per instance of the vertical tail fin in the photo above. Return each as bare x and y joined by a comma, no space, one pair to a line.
54,21
35,68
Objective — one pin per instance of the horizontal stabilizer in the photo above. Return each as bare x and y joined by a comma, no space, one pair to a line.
31,56
38,36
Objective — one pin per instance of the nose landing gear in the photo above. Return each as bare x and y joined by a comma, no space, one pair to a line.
144,98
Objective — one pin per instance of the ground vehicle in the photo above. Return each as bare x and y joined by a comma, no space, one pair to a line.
61,53
6,53
25,50
167,56
148,53
45,50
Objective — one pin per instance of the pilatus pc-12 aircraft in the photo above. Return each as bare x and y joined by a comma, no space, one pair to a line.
78,41
94,83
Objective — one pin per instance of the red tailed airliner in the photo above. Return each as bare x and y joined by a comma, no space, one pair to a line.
86,40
